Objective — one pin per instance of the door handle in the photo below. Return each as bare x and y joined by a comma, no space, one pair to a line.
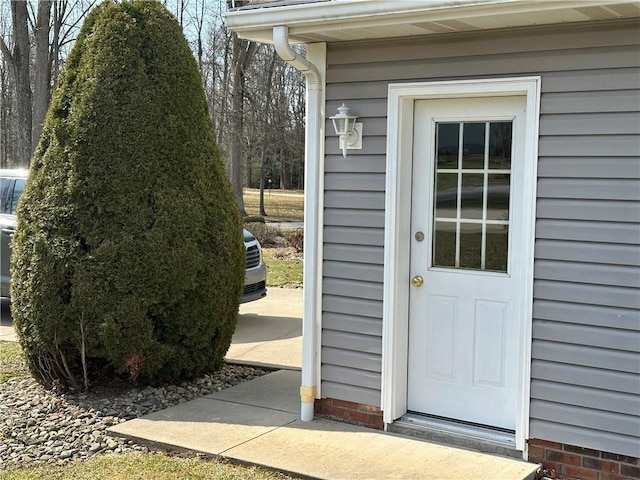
417,281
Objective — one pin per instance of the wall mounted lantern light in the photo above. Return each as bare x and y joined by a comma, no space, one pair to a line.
349,131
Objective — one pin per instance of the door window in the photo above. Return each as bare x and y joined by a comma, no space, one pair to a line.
472,194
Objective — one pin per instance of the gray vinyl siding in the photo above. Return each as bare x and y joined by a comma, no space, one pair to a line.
586,329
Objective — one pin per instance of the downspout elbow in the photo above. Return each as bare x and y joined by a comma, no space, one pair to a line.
284,50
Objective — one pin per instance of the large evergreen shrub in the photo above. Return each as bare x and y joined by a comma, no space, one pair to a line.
128,256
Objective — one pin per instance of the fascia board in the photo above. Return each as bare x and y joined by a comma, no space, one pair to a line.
257,24
313,17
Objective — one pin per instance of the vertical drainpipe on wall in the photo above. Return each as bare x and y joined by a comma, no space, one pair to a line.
312,227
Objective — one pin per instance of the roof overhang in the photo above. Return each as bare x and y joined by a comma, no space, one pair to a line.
312,21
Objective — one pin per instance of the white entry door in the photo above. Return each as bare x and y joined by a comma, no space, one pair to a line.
465,300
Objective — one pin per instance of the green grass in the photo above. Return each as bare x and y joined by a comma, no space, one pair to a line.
12,363
280,205
139,466
283,268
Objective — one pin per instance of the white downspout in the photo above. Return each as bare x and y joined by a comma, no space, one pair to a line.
312,215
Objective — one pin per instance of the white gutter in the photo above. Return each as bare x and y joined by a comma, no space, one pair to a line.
313,21
344,11
312,217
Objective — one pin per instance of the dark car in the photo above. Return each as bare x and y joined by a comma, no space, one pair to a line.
11,186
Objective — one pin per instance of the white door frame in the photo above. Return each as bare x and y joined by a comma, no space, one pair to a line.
395,329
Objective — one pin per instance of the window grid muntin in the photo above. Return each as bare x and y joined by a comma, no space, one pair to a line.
459,171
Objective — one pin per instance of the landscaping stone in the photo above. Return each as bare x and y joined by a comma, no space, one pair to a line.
39,427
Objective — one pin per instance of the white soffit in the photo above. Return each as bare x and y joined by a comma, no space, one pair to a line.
343,20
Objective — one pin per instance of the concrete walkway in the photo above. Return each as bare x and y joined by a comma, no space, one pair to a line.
257,422
269,331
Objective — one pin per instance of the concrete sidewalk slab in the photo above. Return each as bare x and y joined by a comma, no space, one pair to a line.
269,331
277,391
205,425
330,450
7,333
257,422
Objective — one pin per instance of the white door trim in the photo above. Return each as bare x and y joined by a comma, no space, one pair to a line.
395,328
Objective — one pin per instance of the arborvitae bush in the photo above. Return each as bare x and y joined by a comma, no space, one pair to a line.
128,257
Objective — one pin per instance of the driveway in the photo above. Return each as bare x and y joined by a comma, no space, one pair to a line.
269,331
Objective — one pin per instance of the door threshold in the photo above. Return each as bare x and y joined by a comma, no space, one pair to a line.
446,431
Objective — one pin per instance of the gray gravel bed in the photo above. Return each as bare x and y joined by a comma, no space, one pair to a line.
40,427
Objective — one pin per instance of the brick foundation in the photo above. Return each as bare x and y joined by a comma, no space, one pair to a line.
568,462
350,412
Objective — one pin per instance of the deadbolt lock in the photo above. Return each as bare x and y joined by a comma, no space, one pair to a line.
417,281
419,236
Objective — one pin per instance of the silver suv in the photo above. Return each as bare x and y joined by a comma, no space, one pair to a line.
11,186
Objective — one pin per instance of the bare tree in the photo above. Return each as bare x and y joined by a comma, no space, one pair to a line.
65,24
6,112
266,131
17,58
41,71
243,52
223,90
31,77
7,94
256,102
199,20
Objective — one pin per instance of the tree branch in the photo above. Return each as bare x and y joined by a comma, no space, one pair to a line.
6,53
